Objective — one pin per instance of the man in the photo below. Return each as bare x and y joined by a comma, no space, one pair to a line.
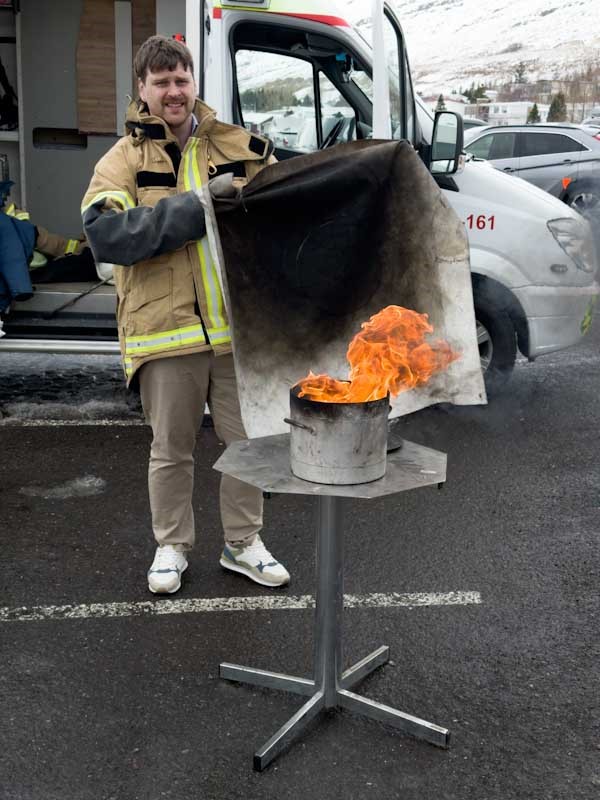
142,211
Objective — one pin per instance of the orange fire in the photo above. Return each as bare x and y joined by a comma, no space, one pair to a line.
389,354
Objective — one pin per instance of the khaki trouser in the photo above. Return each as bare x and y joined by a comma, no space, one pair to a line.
174,391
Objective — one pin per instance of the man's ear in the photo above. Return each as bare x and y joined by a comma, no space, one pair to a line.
141,90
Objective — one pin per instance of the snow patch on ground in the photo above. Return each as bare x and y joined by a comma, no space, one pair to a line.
88,486
90,410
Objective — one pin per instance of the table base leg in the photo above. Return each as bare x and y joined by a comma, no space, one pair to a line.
290,731
356,673
419,728
269,680
345,699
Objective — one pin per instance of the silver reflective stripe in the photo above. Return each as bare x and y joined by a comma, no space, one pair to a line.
163,341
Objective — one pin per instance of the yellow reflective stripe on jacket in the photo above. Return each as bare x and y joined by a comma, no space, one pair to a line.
165,340
12,211
128,366
121,198
219,335
71,246
216,322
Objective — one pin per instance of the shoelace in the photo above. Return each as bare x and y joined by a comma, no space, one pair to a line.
165,558
259,551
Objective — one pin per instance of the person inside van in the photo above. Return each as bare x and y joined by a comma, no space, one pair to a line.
56,259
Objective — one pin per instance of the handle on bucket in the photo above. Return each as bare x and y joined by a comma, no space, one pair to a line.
299,425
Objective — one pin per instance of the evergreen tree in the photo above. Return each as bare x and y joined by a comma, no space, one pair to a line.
441,106
534,115
520,72
558,108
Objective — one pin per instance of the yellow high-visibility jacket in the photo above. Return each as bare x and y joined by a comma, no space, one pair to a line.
141,212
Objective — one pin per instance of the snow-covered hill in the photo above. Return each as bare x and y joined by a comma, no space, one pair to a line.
454,42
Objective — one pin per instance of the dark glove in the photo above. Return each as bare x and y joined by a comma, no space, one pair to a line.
225,194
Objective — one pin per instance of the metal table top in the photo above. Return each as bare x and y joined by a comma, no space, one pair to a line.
265,462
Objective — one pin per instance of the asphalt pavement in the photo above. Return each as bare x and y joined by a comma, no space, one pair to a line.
486,593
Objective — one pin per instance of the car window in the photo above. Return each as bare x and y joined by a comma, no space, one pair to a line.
493,145
541,144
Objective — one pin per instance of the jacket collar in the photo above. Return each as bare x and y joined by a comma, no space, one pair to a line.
141,125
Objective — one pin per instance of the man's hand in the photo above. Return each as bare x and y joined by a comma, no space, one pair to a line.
225,194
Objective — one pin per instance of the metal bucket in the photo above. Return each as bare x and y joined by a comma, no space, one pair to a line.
338,443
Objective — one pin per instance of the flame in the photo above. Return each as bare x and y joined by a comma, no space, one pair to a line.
388,355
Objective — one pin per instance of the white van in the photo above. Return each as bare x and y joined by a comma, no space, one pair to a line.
532,257
533,263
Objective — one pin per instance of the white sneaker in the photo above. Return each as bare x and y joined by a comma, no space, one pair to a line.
164,576
256,562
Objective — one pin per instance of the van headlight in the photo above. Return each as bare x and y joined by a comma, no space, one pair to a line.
575,238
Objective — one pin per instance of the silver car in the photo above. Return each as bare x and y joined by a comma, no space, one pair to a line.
561,158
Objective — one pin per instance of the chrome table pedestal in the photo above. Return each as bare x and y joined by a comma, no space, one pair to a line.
264,463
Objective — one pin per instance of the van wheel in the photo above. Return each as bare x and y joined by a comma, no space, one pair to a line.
497,340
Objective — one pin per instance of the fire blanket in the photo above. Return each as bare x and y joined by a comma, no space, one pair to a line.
319,244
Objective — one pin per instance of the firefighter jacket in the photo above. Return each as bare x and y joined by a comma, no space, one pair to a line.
50,244
142,213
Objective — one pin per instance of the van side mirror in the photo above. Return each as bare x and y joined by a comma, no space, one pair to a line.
446,143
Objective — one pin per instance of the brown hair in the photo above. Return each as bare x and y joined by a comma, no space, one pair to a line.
158,53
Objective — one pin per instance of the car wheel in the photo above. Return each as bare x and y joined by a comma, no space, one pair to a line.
586,201
497,340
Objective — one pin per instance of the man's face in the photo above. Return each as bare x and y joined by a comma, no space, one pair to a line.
169,94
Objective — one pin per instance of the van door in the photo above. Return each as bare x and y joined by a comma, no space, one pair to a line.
307,85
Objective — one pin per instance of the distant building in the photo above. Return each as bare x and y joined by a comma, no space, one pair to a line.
258,122
509,113
453,102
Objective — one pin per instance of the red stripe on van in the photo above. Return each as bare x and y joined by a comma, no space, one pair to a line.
341,23
338,21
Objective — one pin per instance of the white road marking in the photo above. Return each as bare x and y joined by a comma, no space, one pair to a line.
201,605
14,422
